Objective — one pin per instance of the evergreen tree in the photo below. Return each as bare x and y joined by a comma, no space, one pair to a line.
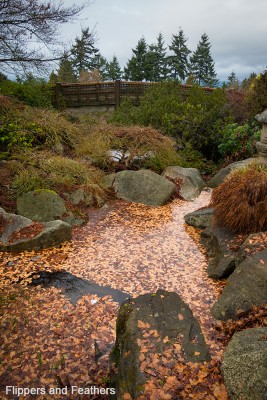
85,56
137,68
102,66
65,72
178,62
53,78
113,69
232,81
156,61
248,81
202,64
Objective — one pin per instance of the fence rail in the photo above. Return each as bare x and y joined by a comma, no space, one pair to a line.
103,93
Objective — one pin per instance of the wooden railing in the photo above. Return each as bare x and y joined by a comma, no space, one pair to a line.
103,93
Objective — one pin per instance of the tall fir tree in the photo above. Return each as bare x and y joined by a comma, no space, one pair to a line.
65,72
102,66
232,81
156,61
114,69
85,56
178,62
53,78
136,68
202,64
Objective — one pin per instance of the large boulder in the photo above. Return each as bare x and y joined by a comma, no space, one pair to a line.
191,181
168,321
201,218
221,260
244,365
143,186
20,233
45,205
245,288
218,178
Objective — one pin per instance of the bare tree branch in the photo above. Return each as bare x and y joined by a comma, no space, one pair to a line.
28,25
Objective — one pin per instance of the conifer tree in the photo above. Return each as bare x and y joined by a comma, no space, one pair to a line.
65,72
232,81
156,61
85,56
202,64
113,69
137,68
178,63
102,66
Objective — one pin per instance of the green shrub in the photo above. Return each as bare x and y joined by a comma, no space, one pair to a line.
163,158
257,95
196,117
12,135
34,92
26,126
191,158
240,202
199,121
125,114
158,100
238,142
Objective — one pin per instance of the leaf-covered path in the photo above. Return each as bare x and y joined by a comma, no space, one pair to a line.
134,248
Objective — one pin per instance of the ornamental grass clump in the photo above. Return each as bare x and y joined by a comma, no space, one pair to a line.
240,202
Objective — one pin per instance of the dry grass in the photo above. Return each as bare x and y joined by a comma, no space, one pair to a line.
240,202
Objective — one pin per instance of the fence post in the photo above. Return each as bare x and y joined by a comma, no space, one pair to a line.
58,91
117,92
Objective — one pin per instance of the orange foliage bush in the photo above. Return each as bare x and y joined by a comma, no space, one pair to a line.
240,202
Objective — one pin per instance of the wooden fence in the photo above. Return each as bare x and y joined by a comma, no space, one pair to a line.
103,93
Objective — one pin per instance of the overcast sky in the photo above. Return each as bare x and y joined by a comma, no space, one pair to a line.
237,29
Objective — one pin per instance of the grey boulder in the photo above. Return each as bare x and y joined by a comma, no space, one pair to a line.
218,178
246,287
244,365
191,181
45,205
143,186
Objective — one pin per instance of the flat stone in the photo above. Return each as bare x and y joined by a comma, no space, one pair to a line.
53,234
74,288
200,218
